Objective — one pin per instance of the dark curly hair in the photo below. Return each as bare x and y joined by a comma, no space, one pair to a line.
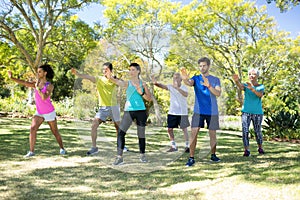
47,68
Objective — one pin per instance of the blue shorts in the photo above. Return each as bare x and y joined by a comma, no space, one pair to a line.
212,121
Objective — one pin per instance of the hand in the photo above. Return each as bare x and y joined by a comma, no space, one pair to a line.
235,77
205,81
9,74
249,86
153,79
184,73
73,71
137,87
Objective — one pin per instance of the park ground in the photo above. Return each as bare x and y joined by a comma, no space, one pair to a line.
48,175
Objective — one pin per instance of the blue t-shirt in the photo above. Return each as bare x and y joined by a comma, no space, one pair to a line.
252,103
134,101
205,102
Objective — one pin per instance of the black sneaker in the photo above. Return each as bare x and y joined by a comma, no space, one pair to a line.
246,153
187,150
214,158
261,151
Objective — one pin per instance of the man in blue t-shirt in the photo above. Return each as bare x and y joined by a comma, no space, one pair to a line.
206,88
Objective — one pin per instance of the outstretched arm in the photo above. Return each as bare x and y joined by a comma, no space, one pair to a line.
236,78
160,85
22,82
84,76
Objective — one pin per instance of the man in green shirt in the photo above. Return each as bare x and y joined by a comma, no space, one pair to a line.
108,106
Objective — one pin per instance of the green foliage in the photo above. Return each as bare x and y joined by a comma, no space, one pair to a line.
17,106
85,105
283,125
285,5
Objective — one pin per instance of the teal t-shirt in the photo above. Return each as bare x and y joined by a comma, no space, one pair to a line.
134,101
252,103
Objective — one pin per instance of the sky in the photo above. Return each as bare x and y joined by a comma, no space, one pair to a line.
288,21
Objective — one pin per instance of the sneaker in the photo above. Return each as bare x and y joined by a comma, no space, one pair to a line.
190,162
214,158
172,149
125,149
143,158
92,151
260,151
29,154
187,150
118,161
62,151
246,153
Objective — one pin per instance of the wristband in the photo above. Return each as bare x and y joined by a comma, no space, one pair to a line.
143,93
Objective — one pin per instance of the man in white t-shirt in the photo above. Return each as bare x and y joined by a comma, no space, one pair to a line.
178,110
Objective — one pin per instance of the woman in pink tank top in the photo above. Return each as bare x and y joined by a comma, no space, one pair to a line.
44,108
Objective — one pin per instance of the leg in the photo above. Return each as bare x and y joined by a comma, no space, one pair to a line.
257,121
193,140
124,126
95,124
213,141
142,138
186,134
35,124
245,127
54,129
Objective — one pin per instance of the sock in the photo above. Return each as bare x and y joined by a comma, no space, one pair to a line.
173,144
187,144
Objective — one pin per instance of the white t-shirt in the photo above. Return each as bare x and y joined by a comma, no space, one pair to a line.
178,103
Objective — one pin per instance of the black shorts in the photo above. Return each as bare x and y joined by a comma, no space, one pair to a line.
212,121
178,120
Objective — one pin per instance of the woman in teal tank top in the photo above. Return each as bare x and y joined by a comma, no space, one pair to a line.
135,110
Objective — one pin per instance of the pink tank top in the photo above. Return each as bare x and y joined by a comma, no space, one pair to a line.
43,106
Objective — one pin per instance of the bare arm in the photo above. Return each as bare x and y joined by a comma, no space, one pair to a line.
118,82
146,95
185,77
184,93
22,82
84,76
259,94
235,78
48,92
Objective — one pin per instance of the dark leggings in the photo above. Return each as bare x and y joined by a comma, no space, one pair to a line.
129,116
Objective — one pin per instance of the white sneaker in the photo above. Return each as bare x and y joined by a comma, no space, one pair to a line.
62,151
125,149
29,154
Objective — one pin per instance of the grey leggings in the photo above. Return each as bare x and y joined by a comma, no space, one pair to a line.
256,121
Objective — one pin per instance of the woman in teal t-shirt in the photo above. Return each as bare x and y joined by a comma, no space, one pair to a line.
134,109
252,109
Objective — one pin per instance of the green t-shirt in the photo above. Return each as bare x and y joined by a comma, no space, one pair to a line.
107,91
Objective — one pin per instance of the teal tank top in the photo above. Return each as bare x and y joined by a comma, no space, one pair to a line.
134,101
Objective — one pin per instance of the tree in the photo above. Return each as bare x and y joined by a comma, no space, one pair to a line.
285,5
141,28
21,21
229,38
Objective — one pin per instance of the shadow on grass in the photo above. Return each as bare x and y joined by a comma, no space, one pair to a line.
76,176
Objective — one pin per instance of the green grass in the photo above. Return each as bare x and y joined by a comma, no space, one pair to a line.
49,175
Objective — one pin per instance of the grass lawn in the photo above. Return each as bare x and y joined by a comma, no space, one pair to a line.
48,175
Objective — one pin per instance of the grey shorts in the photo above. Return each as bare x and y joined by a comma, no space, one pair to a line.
112,112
